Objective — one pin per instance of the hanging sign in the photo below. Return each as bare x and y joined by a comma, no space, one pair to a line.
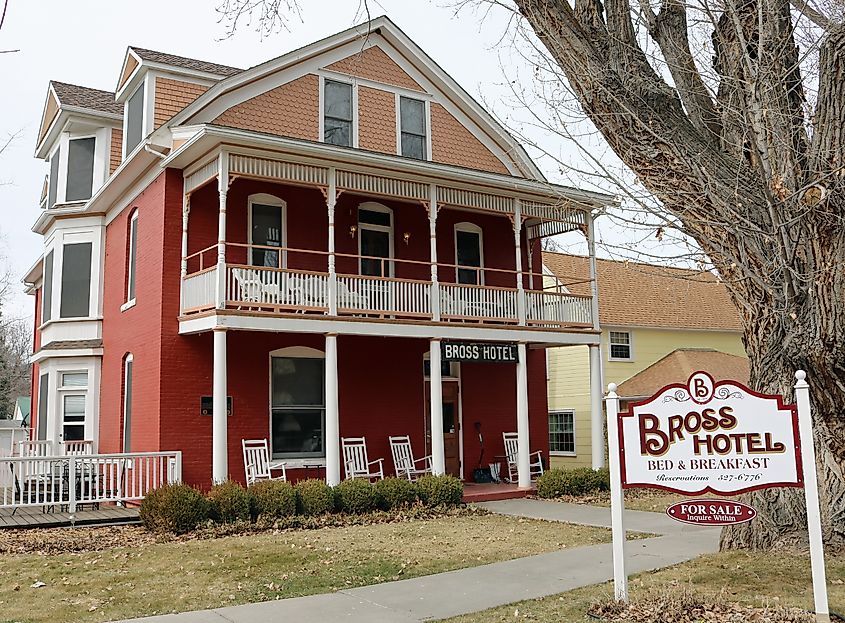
711,512
704,436
483,352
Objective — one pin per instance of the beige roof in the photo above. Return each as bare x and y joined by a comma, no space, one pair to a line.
645,295
85,97
678,366
184,62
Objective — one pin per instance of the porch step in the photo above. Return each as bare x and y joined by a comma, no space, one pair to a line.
494,492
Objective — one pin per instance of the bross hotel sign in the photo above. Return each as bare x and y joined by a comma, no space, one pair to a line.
710,437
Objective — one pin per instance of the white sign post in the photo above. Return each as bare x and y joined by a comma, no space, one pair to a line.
811,496
617,499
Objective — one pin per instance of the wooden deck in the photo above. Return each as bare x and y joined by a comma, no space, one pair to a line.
34,517
494,491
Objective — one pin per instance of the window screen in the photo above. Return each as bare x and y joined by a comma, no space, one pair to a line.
298,407
562,431
412,120
53,184
127,405
337,116
76,280
620,345
135,119
80,169
43,390
47,291
130,263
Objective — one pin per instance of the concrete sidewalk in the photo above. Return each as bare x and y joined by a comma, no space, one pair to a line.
469,590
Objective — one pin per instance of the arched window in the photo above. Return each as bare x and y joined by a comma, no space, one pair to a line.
127,402
375,239
266,235
298,403
469,254
131,257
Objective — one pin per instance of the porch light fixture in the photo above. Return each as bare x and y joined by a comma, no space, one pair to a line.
406,237
352,230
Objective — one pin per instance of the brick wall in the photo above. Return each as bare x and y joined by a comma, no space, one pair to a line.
171,96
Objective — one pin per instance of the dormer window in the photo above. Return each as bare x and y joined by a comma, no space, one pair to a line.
134,120
53,184
80,169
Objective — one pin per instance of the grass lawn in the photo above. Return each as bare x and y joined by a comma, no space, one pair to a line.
125,582
750,579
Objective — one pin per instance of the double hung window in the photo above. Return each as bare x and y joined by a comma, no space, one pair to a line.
298,407
74,390
562,432
412,128
337,113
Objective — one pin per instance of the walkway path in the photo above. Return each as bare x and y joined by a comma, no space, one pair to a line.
469,590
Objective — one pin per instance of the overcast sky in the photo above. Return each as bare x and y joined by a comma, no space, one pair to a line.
84,42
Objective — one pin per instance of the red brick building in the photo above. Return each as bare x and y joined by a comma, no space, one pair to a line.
282,252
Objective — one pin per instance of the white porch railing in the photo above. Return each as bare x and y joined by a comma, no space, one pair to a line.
277,288
381,295
198,290
85,479
477,302
555,308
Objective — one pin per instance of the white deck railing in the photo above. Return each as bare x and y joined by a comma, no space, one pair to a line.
198,290
85,479
554,308
277,288
391,296
477,302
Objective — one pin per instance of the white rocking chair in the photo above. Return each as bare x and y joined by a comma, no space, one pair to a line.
535,465
257,463
355,460
403,459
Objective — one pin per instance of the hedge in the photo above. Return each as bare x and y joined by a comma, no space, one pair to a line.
578,481
175,508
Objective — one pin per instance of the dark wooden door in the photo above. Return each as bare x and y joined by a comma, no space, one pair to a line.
451,425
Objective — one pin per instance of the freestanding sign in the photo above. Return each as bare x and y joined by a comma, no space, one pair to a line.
708,437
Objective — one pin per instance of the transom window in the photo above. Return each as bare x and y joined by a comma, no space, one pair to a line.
412,128
375,239
469,254
562,432
620,345
266,231
298,407
337,113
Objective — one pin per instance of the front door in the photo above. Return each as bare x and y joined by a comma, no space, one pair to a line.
451,425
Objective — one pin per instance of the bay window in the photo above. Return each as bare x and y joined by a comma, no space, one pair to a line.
76,280
53,182
80,169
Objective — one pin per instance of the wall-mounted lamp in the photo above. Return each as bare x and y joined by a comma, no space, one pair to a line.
353,229
406,237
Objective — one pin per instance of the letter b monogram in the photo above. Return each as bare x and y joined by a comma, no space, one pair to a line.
700,387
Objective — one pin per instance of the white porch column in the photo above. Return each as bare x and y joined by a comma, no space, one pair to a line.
432,227
594,283
219,424
223,189
520,289
523,446
331,200
332,414
438,452
596,400
186,210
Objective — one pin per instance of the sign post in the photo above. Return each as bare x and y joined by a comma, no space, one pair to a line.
617,499
811,496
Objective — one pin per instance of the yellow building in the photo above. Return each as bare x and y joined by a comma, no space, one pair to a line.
656,323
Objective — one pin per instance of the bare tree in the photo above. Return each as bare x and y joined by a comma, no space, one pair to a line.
731,114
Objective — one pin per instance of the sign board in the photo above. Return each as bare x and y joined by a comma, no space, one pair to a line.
704,436
207,405
711,512
481,352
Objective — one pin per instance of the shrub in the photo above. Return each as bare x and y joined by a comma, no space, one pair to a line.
579,481
314,497
440,490
603,479
272,499
173,508
356,496
229,502
394,493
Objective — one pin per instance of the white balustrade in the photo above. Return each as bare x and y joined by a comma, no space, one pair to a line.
255,286
477,302
198,290
85,479
383,296
555,308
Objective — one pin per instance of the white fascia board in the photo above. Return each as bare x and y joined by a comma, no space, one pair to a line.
118,89
35,271
64,353
68,114
383,329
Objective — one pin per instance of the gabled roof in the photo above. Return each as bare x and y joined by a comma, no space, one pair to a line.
184,62
645,295
23,405
87,98
369,33
678,366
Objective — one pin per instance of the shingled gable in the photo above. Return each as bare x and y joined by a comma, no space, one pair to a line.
632,294
61,95
402,64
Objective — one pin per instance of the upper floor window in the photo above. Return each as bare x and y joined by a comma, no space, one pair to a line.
76,280
53,183
337,113
266,230
620,346
135,119
47,290
412,128
375,239
80,169
130,260
469,254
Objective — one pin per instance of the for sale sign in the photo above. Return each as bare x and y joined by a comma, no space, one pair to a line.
708,437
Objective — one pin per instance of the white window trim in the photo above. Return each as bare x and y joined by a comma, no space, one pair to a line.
374,206
574,434
322,105
297,352
426,112
132,267
630,345
273,201
127,403
475,229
